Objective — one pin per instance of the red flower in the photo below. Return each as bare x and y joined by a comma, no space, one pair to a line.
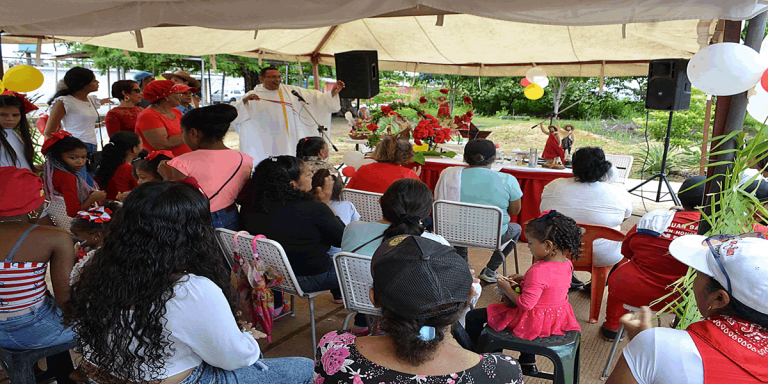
444,91
470,114
372,127
386,110
422,100
467,99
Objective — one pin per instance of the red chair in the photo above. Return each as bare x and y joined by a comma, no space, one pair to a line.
584,263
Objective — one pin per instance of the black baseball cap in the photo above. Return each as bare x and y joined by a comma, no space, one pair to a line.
412,275
480,146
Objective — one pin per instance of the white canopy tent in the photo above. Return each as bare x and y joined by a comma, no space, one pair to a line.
478,38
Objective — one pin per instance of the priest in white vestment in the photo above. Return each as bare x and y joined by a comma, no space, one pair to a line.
271,120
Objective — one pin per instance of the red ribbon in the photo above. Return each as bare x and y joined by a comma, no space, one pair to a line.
28,106
53,139
152,155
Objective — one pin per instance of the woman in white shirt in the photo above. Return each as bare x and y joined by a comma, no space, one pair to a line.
75,111
155,303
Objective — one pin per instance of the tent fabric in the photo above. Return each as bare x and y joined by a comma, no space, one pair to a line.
101,17
416,44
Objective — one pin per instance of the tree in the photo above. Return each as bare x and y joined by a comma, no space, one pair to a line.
105,59
558,92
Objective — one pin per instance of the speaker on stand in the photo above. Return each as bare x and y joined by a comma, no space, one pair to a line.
668,90
359,70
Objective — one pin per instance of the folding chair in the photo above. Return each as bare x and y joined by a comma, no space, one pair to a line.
472,225
274,255
57,210
623,164
366,203
355,280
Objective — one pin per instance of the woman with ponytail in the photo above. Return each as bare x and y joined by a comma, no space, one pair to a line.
391,155
114,174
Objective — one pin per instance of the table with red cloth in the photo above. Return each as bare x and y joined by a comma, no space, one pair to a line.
532,182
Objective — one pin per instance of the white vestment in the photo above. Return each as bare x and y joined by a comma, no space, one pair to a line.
273,125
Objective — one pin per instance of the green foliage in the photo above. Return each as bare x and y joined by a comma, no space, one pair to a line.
678,160
687,126
387,95
107,58
418,157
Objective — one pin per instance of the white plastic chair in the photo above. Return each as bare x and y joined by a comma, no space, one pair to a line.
355,280
623,164
57,210
366,203
472,225
273,254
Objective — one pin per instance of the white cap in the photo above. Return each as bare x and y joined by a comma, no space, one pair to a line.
744,259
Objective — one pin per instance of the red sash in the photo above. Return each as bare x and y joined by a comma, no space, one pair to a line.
732,350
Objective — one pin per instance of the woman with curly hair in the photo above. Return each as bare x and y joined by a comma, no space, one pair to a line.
589,198
391,154
155,303
540,307
277,203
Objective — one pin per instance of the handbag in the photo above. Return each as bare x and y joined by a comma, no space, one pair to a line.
42,121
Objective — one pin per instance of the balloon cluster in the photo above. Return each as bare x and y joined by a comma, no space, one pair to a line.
534,82
353,161
22,78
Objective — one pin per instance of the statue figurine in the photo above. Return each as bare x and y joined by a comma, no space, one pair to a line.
405,127
552,149
568,140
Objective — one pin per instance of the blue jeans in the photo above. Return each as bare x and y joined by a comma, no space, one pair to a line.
224,219
38,329
288,370
84,172
315,283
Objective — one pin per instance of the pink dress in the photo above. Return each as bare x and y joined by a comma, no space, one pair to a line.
542,308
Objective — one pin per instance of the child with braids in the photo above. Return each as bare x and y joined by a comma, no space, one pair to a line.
540,307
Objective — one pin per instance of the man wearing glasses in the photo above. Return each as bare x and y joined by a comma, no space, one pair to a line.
271,119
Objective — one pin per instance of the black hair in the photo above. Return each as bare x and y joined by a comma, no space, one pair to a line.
62,146
739,310
479,159
758,187
120,86
88,226
22,128
405,204
212,121
309,146
148,166
118,307
393,150
691,196
404,333
264,70
763,162
113,155
560,229
75,79
270,184
318,180
589,164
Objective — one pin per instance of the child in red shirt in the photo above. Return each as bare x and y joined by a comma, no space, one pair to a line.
65,156
115,170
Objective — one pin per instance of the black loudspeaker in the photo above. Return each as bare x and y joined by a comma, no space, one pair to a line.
359,70
668,85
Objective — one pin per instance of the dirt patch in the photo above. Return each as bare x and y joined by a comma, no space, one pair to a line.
627,127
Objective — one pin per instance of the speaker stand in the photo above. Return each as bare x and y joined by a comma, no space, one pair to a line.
662,176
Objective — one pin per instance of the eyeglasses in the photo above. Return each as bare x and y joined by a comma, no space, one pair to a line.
720,239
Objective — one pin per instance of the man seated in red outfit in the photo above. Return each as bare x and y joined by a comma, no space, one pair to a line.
390,154
651,269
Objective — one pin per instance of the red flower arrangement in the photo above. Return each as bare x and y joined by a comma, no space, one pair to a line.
429,130
387,111
372,127
422,100
444,91
467,99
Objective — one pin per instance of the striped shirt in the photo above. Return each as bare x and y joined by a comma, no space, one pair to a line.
22,285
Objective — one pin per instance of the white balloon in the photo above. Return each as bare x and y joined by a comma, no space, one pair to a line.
352,158
536,74
366,162
725,69
758,106
542,81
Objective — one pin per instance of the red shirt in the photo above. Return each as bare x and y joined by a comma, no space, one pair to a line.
65,183
151,119
376,177
122,119
121,181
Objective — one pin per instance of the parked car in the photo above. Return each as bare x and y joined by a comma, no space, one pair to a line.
230,95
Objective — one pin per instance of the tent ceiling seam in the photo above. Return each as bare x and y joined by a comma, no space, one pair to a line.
325,40
375,38
432,42
573,48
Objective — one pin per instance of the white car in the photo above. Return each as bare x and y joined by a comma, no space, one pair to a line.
230,95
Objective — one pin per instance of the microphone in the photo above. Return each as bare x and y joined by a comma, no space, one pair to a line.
298,96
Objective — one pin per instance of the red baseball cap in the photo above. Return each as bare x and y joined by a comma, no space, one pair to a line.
159,89
21,191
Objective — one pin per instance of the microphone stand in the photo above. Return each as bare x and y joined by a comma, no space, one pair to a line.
320,128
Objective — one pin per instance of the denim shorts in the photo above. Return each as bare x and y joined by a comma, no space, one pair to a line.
288,370
38,329
224,219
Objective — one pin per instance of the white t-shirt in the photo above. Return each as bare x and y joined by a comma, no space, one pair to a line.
664,356
589,203
80,118
16,146
201,327
347,213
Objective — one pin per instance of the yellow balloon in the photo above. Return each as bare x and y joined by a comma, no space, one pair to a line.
2,87
534,92
23,78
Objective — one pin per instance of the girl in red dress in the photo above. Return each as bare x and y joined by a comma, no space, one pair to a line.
540,307
444,111
552,150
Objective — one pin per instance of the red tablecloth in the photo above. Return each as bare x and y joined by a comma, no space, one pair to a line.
532,184
430,171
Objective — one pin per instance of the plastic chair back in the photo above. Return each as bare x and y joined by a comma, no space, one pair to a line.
623,164
366,203
585,263
355,281
468,225
57,210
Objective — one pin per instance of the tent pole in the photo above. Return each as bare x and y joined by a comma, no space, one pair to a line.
705,138
2,71
735,113
316,74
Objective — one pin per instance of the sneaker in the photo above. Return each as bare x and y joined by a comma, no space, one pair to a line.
576,283
529,369
487,275
608,334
